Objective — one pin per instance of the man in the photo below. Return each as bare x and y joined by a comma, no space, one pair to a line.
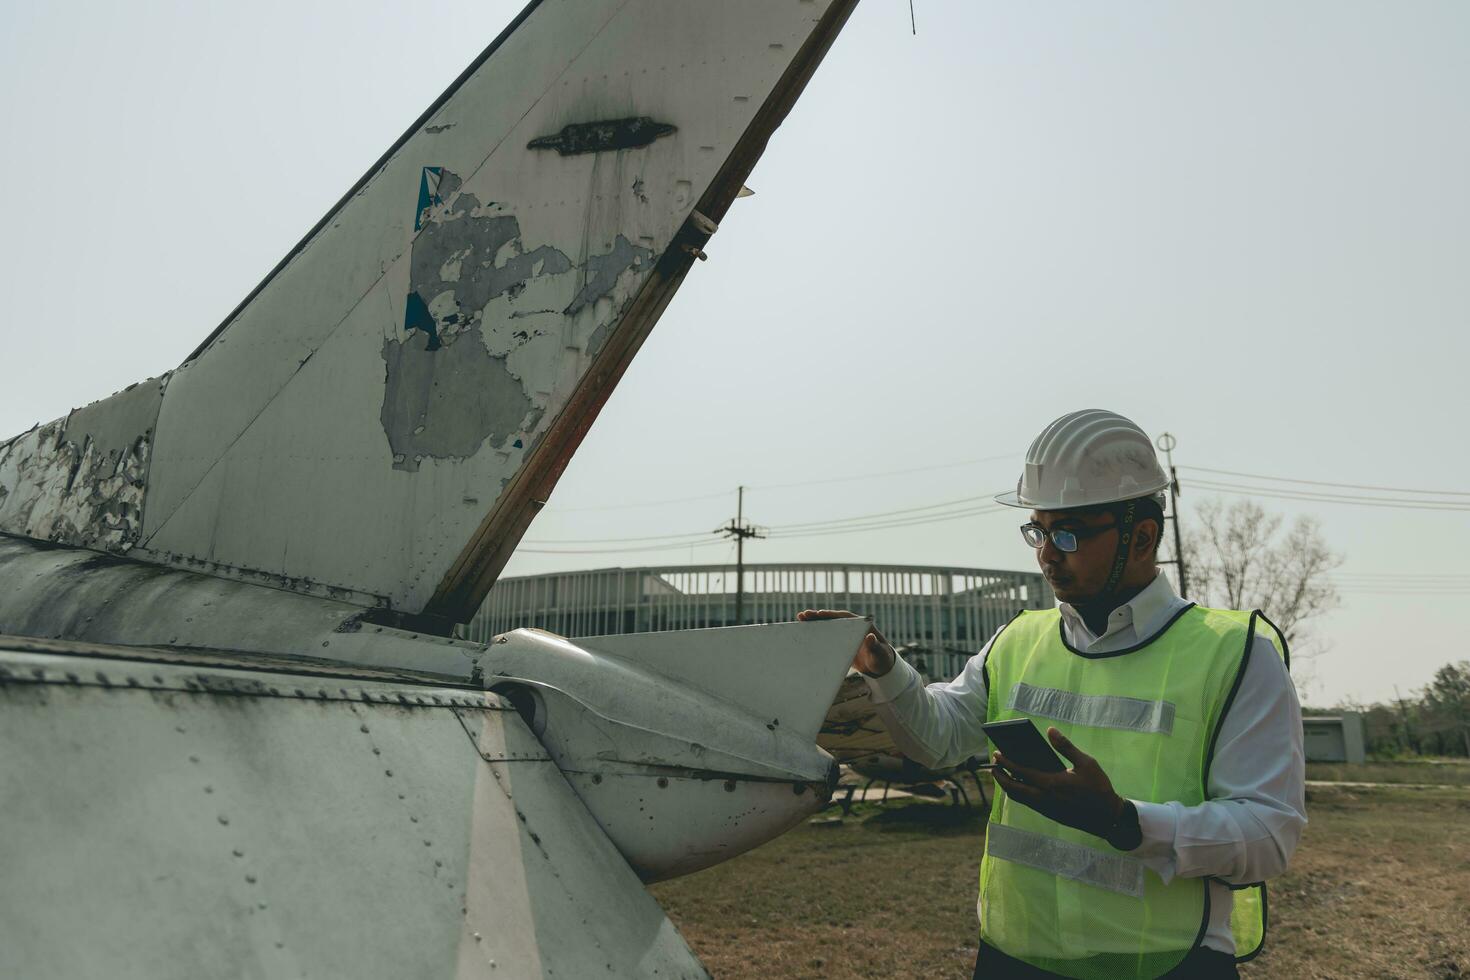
1181,725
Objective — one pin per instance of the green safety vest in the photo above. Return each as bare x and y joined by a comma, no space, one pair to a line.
1064,900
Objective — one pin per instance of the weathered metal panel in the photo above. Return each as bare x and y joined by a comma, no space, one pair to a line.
253,831
78,595
671,716
81,480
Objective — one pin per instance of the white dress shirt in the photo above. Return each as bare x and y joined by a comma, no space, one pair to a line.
1248,828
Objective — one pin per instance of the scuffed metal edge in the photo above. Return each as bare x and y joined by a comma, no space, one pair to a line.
296,687
478,565
319,668
253,576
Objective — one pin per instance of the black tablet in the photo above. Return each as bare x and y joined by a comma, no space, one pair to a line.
1024,744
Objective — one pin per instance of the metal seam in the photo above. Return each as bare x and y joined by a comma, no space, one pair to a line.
125,681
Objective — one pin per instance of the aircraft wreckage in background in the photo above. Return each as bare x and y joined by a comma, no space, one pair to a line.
241,738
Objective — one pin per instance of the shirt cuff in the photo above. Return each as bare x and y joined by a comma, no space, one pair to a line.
1159,824
892,684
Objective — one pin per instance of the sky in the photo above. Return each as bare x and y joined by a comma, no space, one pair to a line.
1247,224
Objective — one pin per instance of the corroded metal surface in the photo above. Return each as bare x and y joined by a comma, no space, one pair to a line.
599,137
81,480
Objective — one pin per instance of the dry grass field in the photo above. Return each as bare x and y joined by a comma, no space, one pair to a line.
1379,888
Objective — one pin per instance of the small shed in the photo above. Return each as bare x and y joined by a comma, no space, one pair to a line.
1334,738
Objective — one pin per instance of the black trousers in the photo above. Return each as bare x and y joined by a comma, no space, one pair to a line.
1200,964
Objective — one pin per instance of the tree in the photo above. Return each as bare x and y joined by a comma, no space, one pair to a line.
1238,558
1447,700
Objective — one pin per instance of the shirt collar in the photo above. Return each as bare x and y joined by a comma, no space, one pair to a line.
1145,612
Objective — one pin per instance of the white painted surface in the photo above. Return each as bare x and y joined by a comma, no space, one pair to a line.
687,748
252,834
271,451
680,764
351,429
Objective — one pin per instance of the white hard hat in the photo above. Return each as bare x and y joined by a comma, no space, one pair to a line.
1086,458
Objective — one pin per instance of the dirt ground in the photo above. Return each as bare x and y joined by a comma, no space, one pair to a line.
1379,888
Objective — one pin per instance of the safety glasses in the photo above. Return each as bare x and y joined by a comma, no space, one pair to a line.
1065,539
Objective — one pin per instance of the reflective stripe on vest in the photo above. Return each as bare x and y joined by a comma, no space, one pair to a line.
1066,901
1089,865
1095,710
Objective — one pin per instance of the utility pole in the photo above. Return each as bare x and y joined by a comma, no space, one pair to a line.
1406,733
1167,442
739,530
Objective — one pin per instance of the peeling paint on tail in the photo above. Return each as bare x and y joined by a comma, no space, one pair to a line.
80,480
447,402
448,387
428,193
602,272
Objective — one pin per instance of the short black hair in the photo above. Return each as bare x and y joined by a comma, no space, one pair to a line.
1149,509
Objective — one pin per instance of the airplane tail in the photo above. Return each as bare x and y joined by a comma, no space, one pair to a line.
382,417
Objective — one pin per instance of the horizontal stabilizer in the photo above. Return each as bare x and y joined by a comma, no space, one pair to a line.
785,673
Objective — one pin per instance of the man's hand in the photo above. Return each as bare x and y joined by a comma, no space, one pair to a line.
875,654
1082,797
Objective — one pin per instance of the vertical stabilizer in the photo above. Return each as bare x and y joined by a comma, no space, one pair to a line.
383,416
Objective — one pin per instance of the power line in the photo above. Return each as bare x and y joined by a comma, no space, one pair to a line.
720,494
1419,586
965,507
1404,588
1460,588
897,522
690,537
873,476
1324,483
853,522
1389,583
1403,592
1329,495
1393,503
886,525
972,462
1411,576
879,514
1407,586
616,551
850,525
636,504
